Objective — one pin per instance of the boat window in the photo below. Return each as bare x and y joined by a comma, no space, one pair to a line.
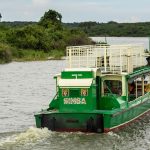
132,90
147,88
112,87
138,87
147,84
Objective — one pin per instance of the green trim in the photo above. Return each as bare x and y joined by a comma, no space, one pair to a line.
76,74
139,72
127,115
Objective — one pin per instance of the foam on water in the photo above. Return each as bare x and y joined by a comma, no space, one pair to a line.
37,139
113,134
30,136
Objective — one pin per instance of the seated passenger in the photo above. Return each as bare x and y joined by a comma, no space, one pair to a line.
147,88
131,88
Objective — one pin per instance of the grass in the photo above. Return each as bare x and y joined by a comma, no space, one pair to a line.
8,54
33,55
5,53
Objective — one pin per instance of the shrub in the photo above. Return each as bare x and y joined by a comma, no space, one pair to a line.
5,53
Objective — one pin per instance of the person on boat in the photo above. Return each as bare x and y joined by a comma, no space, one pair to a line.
131,91
131,88
113,87
147,88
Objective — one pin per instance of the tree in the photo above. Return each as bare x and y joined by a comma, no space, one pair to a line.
5,53
51,18
0,17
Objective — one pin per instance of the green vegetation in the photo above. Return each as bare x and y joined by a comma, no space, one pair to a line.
112,28
5,53
46,39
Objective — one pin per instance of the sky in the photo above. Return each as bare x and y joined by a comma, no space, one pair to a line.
77,10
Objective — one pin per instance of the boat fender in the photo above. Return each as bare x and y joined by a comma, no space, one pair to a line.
53,124
90,126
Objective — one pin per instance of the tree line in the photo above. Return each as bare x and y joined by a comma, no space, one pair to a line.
141,29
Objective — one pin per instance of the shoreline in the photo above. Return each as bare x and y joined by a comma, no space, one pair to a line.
32,60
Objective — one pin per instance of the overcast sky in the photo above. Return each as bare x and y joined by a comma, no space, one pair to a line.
77,10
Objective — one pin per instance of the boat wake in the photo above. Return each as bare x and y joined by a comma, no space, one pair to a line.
37,139
30,137
33,138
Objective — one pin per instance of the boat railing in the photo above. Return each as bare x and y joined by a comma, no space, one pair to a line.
140,99
56,96
109,58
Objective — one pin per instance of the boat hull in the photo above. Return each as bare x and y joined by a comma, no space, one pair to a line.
125,117
85,122
94,121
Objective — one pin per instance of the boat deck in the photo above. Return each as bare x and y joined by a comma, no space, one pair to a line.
109,58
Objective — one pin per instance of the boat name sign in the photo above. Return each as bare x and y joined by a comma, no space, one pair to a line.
75,101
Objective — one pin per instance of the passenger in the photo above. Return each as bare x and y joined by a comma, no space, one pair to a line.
131,88
147,88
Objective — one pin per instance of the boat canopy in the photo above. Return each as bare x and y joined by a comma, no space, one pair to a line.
75,82
109,58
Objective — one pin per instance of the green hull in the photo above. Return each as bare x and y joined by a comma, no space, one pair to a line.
70,121
90,101
94,121
126,116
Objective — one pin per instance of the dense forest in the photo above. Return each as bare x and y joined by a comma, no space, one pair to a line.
141,29
49,37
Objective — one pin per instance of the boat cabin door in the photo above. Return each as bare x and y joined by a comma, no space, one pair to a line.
98,90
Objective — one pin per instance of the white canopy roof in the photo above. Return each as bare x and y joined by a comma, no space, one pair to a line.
75,82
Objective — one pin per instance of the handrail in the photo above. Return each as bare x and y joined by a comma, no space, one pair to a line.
112,58
55,96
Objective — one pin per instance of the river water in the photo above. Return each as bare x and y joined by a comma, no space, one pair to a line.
124,40
25,88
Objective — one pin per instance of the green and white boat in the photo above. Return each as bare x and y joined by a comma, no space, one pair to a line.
103,88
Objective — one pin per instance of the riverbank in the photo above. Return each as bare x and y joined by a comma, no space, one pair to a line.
33,55
46,39
9,54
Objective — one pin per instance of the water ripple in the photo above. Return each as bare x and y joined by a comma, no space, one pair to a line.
27,87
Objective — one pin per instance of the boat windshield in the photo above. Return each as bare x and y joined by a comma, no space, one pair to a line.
112,87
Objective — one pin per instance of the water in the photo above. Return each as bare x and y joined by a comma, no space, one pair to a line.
124,40
25,88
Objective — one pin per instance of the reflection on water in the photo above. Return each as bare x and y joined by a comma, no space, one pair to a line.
27,87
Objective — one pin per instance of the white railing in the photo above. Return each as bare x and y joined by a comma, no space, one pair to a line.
113,58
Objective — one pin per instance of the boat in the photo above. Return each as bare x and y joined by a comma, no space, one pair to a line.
103,88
